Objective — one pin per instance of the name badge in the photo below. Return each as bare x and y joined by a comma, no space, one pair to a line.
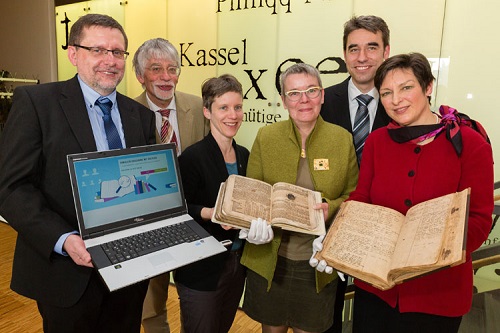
321,164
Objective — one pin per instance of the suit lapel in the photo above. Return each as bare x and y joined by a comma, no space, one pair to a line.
184,117
130,118
73,106
342,101
142,99
381,117
78,119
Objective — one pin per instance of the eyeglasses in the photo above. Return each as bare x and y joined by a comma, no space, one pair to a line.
171,70
100,52
295,95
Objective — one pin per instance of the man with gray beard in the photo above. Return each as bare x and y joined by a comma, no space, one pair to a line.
179,119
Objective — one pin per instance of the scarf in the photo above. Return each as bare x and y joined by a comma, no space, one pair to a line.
450,123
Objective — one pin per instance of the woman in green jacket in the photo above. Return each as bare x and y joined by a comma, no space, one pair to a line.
282,289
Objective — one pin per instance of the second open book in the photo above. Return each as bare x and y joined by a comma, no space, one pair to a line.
290,207
383,247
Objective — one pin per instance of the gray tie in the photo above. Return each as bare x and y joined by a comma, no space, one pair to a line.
361,127
114,141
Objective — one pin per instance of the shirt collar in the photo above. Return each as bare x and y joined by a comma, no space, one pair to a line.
154,107
354,92
91,96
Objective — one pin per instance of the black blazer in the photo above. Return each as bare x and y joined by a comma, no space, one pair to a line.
202,171
335,108
46,123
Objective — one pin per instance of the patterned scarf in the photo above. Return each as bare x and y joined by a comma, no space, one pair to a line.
451,120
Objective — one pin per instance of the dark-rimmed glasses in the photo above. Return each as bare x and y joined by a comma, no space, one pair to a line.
99,52
295,95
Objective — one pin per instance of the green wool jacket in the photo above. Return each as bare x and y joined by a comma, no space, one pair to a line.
275,158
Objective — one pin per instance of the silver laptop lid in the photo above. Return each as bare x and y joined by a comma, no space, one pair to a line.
119,189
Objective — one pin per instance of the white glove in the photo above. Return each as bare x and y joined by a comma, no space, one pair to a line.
316,247
321,265
259,233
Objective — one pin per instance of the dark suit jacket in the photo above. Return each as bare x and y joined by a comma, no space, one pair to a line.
202,170
46,123
335,109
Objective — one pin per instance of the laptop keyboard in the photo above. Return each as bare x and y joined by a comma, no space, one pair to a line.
147,242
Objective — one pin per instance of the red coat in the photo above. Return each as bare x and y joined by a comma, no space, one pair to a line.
393,173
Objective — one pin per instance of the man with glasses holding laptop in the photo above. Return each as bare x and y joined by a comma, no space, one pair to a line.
46,123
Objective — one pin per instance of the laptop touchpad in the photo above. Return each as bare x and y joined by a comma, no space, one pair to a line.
160,259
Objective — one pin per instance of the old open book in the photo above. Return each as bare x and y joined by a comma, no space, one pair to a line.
383,247
290,207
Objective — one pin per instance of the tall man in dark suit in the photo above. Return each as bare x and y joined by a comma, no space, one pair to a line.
366,46
46,123
157,67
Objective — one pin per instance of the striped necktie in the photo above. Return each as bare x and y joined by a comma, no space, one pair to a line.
361,127
114,141
167,132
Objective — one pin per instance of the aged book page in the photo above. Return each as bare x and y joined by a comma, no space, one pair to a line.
283,205
218,215
247,199
355,243
382,247
293,206
420,234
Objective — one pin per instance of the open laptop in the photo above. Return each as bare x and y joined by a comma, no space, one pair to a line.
135,192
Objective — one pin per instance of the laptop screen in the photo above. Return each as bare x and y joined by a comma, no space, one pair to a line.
128,187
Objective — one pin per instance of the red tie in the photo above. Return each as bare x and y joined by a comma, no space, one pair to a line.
167,133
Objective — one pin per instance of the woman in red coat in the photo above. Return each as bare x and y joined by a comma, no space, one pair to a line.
421,155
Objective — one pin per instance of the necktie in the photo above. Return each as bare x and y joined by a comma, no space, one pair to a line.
361,124
114,141
167,133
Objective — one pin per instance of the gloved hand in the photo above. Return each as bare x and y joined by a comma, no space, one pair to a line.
321,265
259,233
